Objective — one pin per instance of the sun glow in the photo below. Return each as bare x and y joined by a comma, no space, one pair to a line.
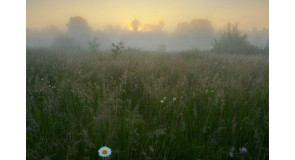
135,26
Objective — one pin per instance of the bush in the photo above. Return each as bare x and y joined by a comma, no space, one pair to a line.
233,42
93,46
117,48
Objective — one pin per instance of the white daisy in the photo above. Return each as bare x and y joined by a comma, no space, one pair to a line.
174,99
104,151
162,101
164,98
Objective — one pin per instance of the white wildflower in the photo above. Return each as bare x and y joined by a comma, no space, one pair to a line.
104,151
231,154
243,150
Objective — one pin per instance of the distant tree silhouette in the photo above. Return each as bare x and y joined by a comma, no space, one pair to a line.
135,25
197,33
233,42
79,29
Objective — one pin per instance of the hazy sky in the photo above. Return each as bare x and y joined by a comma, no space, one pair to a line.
99,13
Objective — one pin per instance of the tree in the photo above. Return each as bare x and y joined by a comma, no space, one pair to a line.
79,29
135,25
233,42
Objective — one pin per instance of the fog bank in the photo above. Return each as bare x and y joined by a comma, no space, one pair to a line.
198,33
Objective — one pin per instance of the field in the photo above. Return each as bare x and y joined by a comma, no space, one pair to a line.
146,105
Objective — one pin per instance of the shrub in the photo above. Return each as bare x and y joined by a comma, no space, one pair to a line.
117,48
93,45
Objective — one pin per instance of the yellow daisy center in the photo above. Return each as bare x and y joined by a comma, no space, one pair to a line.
104,152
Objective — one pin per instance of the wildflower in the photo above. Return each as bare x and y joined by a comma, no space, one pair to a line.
243,150
231,154
164,98
162,101
104,151
174,99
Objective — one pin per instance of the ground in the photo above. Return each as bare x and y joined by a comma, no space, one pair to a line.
146,105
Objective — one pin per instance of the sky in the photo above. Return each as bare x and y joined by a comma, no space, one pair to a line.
100,13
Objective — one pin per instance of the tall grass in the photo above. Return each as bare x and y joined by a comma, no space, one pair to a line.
79,102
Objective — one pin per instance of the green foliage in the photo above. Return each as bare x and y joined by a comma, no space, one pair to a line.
93,45
146,106
233,42
117,48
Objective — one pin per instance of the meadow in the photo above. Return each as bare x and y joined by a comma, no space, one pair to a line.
173,106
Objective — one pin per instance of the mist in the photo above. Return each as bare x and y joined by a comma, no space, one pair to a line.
197,33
